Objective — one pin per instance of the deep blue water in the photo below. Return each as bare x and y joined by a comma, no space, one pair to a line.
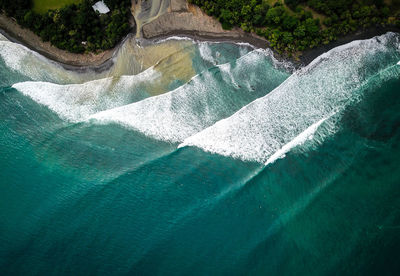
110,179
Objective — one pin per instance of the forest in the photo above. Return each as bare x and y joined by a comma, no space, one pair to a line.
76,28
290,26
293,26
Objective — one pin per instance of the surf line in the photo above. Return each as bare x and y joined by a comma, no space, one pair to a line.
298,140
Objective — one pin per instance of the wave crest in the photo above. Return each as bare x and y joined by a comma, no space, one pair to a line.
327,85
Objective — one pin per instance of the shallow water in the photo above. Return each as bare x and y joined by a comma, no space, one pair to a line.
201,158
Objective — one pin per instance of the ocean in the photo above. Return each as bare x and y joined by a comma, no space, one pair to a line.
201,158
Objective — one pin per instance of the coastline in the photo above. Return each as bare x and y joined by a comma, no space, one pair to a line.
189,23
259,43
70,61
309,55
213,37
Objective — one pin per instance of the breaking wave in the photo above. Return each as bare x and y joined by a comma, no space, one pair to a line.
206,99
201,112
260,130
76,102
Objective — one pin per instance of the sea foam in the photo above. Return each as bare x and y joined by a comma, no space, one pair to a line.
266,128
34,66
76,102
206,53
298,140
200,103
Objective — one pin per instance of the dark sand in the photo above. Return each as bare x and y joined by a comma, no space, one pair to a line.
104,60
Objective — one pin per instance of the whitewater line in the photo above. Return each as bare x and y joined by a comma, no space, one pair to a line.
298,140
185,142
289,66
268,127
301,138
347,46
188,109
77,102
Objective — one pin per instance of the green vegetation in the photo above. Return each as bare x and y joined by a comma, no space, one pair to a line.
74,27
42,6
295,25
290,26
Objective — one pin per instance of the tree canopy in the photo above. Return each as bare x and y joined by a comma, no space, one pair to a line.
295,25
76,27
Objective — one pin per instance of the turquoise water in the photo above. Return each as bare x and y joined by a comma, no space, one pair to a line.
234,166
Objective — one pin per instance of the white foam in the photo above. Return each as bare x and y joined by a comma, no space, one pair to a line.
183,37
206,53
12,54
76,102
174,38
33,65
378,41
240,68
261,130
287,65
298,140
171,116
189,109
228,76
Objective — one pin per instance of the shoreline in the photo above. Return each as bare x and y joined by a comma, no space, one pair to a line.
259,43
214,37
70,61
309,55
104,60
